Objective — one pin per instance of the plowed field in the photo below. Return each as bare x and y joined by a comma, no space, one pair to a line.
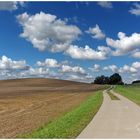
29,103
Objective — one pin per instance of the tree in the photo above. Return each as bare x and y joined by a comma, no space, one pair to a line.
137,81
115,79
112,80
106,80
101,80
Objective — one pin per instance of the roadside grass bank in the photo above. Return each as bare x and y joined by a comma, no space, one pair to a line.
72,123
132,92
112,96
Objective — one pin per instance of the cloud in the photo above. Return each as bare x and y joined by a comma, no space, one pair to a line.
32,73
105,4
96,32
11,69
96,68
9,64
37,72
80,78
125,44
136,54
133,69
48,63
135,10
136,65
76,69
10,5
126,69
88,53
75,73
46,31
113,68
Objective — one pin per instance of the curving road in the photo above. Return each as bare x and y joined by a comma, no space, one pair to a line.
115,119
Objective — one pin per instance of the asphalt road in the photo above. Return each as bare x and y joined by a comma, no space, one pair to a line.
115,119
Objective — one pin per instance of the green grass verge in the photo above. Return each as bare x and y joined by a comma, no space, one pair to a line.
132,92
112,96
72,123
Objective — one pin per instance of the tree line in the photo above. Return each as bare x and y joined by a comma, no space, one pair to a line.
114,79
135,82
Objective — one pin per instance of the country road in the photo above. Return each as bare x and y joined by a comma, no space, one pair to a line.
115,119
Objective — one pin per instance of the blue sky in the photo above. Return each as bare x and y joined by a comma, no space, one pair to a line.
69,40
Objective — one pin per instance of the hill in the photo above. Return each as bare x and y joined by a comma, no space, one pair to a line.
26,104
44,85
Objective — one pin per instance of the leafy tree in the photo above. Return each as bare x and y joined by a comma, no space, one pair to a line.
115,79
137,81
101,80
106,80
112,80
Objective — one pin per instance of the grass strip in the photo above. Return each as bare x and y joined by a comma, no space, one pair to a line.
132,92
72,123
112,96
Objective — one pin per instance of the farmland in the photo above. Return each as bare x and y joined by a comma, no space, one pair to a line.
27,104
72,123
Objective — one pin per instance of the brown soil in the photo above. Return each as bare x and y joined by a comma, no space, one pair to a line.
26,104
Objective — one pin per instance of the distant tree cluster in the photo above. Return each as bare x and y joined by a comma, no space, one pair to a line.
137,81
114,79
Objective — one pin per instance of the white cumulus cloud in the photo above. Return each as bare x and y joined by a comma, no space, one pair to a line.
80,78
132,69
9,64
75,69
136,54
125,44
38,71
136,65
113,68
96,32
49,62
135,10
10,5
105,4
88,53
96,68
46,31
127,69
